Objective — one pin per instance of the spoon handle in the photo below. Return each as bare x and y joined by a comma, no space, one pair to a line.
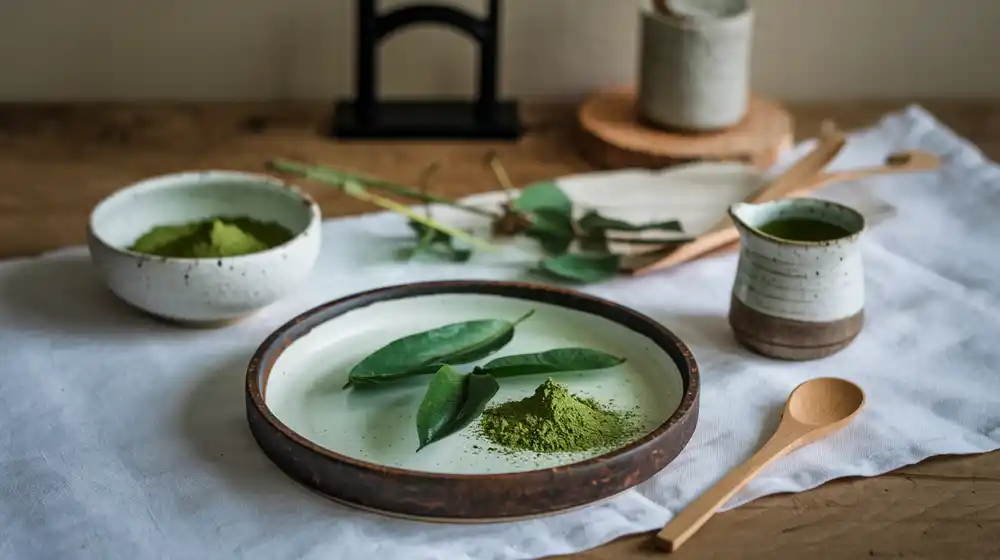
691,518
917,160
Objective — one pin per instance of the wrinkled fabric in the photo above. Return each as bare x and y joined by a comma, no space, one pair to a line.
125,438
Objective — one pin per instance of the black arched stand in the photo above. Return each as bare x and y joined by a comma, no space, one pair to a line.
366,116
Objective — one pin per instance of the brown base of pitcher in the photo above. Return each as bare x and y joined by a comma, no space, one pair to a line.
788,339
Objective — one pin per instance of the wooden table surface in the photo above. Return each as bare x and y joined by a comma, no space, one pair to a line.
57,161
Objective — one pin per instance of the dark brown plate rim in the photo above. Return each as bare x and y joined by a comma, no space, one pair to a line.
679,426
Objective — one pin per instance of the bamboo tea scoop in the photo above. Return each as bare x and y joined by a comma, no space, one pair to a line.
829,144
723,237
909,161
814,410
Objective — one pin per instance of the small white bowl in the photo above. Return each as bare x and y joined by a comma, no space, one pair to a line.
211,290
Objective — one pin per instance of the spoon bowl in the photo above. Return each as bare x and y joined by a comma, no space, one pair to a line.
824,401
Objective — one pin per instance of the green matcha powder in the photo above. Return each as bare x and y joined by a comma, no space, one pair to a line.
215,237
553,420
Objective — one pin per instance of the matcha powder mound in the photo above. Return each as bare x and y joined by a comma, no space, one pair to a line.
553,420
216,237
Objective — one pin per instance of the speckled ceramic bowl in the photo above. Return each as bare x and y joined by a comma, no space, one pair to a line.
203,291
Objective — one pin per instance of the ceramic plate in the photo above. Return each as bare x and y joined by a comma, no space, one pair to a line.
359,446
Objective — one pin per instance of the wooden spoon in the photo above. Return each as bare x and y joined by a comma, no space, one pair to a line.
814,410
908,161
829,144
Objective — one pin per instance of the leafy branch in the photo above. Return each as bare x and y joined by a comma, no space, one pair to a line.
577,250
339,178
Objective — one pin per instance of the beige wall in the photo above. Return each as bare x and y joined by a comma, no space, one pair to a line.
266,49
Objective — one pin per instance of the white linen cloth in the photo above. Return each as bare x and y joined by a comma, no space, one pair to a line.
125,438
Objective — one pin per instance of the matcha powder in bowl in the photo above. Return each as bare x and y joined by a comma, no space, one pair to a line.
216,237
205,248
553,420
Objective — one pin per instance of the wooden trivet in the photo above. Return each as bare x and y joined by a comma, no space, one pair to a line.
614,137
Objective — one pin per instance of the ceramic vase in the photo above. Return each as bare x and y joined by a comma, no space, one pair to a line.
694,64
797,300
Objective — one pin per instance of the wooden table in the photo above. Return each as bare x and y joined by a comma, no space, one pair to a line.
57,161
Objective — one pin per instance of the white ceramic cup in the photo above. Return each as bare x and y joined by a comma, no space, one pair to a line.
694,66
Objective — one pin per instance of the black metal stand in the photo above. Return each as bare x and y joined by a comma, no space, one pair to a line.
484,118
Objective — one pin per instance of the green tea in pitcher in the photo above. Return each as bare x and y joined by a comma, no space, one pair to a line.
803,229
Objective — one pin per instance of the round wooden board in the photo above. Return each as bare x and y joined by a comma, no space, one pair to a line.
614,137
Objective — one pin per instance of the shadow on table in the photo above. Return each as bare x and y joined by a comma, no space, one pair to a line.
711,340
213,423
697,330
64,294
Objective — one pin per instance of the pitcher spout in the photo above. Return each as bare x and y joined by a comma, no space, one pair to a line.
802,221
743,215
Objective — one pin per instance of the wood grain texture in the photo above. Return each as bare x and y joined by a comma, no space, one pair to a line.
613,136
57,161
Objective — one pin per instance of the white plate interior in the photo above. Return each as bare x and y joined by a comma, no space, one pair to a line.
305,391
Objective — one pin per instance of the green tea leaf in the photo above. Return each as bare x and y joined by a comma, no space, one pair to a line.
551,361
595,242
424,352
359,192
452,401
552,229
436,242
551,222
430,234
543,195
593,221
581,267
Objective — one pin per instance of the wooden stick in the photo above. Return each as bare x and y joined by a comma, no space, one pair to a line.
909,161
830,144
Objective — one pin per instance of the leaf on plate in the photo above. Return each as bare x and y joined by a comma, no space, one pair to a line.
452,401
551,361
543,195
594,221
582,268
425,352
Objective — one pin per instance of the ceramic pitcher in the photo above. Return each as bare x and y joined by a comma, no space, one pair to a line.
799,290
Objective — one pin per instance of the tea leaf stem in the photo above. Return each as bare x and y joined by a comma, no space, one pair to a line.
337,178
356,190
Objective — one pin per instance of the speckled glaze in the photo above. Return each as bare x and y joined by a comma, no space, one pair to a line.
694,64
359,447
203,291
797,299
